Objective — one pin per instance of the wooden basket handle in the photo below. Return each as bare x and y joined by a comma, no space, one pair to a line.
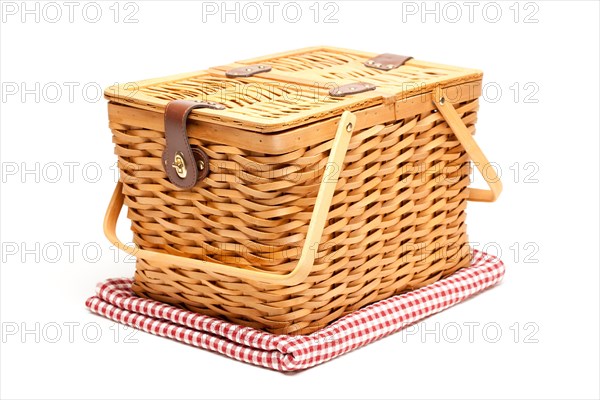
313,236
466,139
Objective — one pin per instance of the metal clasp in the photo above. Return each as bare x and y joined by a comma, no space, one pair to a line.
179,165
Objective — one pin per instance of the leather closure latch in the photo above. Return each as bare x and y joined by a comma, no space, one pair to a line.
387,61
183,164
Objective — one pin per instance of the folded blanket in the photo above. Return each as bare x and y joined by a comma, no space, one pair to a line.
115,300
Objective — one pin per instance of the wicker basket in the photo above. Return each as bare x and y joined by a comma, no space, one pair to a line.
322,180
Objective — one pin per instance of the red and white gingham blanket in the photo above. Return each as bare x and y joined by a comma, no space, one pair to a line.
115,300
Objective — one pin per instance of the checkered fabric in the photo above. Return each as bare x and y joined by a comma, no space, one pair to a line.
115,300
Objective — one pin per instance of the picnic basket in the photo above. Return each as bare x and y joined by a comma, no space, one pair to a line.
286,191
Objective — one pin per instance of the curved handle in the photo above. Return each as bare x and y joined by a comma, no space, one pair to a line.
313,236
466,139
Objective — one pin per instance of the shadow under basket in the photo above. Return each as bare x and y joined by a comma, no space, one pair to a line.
284,192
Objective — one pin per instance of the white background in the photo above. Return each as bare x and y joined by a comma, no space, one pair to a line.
545,225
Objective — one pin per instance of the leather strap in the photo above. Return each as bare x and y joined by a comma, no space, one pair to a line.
181,163
247,70
351,88
387,61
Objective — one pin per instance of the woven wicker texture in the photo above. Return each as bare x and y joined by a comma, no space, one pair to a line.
397,221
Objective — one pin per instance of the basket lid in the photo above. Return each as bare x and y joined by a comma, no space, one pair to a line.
286,90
